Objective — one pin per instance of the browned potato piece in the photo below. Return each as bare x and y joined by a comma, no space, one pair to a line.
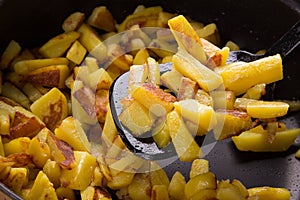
11,51
52,76
230,123
51,108
73,21
61,152
102,18
58,45
25,124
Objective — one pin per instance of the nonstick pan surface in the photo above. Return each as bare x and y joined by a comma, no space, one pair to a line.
254,25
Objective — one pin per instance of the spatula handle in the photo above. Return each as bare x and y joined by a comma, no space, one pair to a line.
289,41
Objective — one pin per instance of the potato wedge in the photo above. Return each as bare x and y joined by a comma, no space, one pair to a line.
190,67
267,109
91,41
23,67
136,118
210,32
176,187
199,183
73,21
240,76
186,147
269,193
187,38
258,141
102,18
187,89
58,45
11,51
39,151
147,18
61,152
171,80
14,93
42,188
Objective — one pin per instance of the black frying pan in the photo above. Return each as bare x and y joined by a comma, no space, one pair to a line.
254,25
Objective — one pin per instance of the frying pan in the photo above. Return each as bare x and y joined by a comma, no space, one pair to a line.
254,25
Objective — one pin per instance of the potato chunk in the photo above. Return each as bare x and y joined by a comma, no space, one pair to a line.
80,176
42,188
187,37
190,67
199,183
201,115
186,147
70,131
151,96
136,118
51,108
102,18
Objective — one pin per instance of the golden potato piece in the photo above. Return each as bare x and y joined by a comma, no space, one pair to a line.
11,91
176,186
61,152
11,51
149,96
73,21
240,76
253,140
147,18
58,45
102,18
76,53
51,76
199,183
91,41
230,123
17,178
267,109
201,115
186,37
51,108
269,193
136,118
79,176
42,188
186,147
70,131
23,67
190,67
25,124
18,145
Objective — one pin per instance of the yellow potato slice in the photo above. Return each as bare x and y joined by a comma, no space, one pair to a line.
257,141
